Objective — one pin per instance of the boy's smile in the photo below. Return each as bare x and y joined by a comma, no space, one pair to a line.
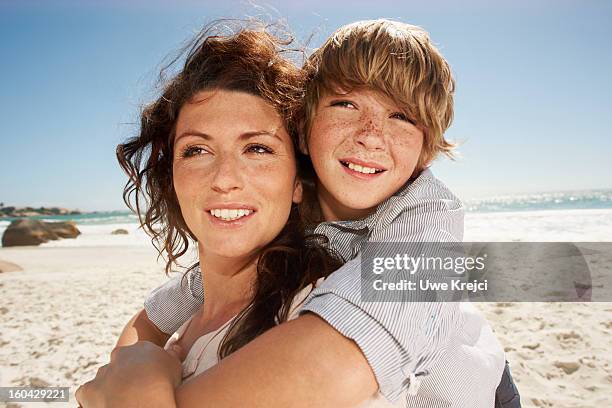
359,167
364,148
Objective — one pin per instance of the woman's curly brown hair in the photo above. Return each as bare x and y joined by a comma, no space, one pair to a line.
248,60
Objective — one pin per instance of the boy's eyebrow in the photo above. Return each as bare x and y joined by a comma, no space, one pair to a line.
243,136
337,93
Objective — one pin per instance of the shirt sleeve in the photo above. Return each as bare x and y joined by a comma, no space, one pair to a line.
172,303
400,340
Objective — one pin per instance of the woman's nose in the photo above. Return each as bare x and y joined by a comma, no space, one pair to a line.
227,175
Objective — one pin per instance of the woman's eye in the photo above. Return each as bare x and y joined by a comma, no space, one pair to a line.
401,116
259,149
191,151
343,104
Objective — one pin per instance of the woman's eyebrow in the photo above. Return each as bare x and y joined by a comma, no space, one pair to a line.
190,132
244,136
249,135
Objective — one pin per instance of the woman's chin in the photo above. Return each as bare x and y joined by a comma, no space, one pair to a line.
225,249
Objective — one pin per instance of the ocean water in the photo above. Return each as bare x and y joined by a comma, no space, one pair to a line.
542,213
95,218
563,200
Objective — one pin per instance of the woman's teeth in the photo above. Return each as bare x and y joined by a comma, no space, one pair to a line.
229,215
362,169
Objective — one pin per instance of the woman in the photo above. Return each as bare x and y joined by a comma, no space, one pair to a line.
216,164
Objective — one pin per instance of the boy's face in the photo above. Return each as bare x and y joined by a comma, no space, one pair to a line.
363,149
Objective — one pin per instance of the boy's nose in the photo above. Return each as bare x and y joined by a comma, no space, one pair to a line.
371,136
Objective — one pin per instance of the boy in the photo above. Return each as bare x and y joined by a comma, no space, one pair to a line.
378,101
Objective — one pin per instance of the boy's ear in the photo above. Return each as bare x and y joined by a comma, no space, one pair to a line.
298,192
422,164
424,160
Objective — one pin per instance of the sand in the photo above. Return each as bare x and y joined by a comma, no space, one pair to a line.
61,315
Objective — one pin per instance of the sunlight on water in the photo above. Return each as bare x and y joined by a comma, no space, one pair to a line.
566,200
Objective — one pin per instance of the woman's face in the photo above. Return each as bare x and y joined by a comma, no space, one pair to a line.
234,172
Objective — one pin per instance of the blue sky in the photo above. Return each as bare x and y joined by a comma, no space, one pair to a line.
533,106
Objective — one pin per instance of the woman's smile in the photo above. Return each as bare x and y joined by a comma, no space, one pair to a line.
230,215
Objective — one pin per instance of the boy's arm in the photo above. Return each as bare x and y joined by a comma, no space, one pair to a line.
301,363
140,328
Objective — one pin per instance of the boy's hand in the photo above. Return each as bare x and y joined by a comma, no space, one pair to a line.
142,374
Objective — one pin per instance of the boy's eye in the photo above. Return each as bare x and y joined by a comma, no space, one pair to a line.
259,149
190,151
343,104
401,116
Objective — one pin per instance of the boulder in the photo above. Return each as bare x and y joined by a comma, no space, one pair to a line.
9,267
27,232
65,229
35,232
119,231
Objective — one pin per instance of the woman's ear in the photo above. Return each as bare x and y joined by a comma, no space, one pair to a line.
302,138
298,192
303,145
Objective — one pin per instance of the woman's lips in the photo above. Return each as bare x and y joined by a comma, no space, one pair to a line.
230,214
230,223
233,205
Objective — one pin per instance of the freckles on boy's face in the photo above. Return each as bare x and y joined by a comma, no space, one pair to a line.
363,149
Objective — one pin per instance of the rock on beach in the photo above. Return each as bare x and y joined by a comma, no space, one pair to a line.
9,267
24,232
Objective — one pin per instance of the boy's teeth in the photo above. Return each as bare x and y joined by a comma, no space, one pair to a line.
361,169
229,214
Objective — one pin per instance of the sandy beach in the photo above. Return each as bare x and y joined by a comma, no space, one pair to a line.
63,312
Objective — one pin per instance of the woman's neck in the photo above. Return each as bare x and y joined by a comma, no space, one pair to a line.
227,282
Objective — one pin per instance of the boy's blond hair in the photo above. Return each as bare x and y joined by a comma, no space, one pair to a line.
396,59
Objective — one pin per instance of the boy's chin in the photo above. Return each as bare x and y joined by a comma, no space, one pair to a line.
363,205
352,203
357,207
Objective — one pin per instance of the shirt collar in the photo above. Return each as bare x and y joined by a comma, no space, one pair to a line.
368,223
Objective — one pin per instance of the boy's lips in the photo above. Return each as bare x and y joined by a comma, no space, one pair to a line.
363,163
362,170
